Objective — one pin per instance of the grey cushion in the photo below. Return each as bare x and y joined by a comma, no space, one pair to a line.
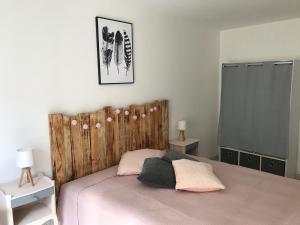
174,155
157,173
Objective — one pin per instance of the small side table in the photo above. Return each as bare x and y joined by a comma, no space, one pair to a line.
28,205
189,146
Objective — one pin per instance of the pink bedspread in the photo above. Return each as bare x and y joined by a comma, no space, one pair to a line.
251,198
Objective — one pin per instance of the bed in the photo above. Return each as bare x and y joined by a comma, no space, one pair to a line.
97,196
251,197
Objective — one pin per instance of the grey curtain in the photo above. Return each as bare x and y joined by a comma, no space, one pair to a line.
255,107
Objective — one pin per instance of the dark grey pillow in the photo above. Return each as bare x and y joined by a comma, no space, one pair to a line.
175,155
157,173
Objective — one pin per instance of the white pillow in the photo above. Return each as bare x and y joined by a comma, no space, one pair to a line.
195,176
132,161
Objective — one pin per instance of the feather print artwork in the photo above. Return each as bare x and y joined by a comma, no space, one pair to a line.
127,51
118,49
114,51
108,40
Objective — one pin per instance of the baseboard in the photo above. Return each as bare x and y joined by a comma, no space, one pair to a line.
298,176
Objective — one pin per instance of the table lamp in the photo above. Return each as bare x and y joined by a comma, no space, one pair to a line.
25,162
181,127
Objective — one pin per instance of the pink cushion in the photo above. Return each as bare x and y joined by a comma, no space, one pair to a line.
195,176
132,161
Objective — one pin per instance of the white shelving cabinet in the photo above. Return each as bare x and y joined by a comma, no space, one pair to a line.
28,205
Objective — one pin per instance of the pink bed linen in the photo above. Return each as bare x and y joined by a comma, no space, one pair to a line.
251,198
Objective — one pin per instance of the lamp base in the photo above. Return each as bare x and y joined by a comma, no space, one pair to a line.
181,136
26,171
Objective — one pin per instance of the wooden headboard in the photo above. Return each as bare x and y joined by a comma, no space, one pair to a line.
90,142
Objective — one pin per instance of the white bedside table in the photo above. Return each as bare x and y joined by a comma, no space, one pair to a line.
28,205
189,146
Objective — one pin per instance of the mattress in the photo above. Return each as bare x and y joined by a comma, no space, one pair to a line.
251,198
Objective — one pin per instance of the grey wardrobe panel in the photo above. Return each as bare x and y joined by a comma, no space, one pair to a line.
255,108
271,109
253,73
233,104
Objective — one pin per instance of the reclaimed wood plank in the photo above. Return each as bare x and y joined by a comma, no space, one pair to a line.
98,143
58,149
142,125
152,126
77,154
160,125
116,137
148,125
109,136
165,124
133,128
95,142
85,143
102,140
127,131
119,136
137,127
68,148
156,118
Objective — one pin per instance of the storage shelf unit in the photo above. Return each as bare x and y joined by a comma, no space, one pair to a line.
259,115
254,161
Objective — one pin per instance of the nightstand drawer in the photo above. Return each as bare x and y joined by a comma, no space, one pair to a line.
192,148
32,197
177,148
188,146
229,156
249,161
274,166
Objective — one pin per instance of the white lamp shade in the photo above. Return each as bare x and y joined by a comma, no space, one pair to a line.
24,158
181,125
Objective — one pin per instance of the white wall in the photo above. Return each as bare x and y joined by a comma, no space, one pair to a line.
48,63
271,41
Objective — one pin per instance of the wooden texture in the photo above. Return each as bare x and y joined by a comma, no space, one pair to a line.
90,142
27,172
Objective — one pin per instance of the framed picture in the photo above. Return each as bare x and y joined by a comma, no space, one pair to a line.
115,51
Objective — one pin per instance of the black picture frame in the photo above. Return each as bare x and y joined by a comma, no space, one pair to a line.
99,36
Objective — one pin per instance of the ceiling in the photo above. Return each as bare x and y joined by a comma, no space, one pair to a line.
225,14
